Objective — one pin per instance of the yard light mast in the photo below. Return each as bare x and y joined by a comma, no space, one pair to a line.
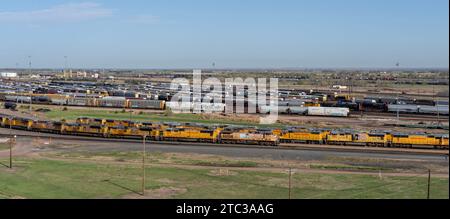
29,72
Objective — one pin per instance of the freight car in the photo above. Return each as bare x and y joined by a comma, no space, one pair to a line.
310,111
18,99
10,105
346,104
328,111
81,101
146,104
439,109
403,108
415,109
59,101
114,102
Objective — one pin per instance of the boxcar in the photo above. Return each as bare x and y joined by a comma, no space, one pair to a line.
146,104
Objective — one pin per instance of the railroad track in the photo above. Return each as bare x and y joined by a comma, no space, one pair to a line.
283,146
442,118
354,114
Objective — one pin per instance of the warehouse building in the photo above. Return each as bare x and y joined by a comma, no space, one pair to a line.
8,74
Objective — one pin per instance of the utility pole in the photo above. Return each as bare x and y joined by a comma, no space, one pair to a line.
429,183
290,176
10,144
143,166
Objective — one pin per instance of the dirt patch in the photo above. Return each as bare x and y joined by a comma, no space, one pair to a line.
222,172
166,181
162,193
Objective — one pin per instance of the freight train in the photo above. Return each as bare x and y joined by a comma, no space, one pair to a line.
222,134
112,102
341,108
350,137
404,107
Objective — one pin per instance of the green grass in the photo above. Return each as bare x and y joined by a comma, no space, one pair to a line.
348,167
44,178
73,114
4,146
154,157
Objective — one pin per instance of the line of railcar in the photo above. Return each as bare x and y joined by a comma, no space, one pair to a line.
341,108
369,105
222,134
112,102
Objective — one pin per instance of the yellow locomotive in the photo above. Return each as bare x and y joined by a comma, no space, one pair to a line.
47,126
128,132
302,135
339,137
190,134
84,130
410,140
245,136
372,139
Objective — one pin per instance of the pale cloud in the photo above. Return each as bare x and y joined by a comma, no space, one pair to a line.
72,12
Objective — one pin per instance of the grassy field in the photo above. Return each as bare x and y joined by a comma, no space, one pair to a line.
72,114
4,146
44,178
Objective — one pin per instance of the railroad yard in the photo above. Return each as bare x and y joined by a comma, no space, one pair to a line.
377,131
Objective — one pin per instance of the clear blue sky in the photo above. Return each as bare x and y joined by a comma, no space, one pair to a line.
231,33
